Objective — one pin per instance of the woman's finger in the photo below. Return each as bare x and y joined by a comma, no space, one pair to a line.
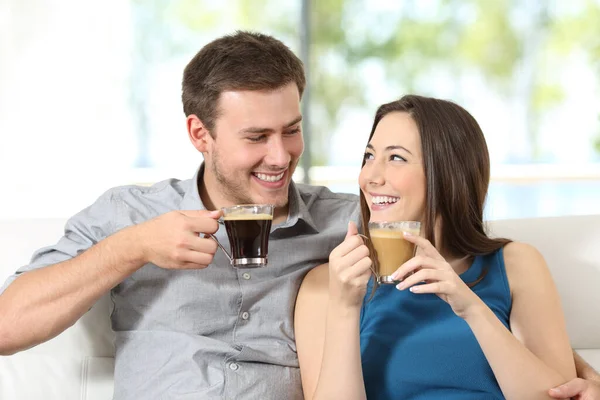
439,287
424,244
424,275
356,272
349,244
420,261
361,268
353,257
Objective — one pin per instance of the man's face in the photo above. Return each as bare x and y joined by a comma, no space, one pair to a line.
255,147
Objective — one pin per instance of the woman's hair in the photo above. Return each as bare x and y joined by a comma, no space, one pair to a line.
457,173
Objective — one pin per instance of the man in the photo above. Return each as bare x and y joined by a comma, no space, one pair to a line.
185,331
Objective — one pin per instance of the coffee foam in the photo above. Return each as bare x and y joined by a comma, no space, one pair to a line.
247,217
392,234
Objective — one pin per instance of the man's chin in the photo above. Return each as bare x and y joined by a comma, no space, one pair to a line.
277,201
277,198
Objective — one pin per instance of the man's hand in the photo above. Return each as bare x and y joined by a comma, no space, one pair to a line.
578,389
175,240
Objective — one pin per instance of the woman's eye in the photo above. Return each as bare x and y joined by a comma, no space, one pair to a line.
396,157
367,156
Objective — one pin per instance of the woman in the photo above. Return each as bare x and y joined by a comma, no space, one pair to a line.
464,323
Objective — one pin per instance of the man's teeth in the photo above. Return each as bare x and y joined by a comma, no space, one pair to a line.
270,178
384,200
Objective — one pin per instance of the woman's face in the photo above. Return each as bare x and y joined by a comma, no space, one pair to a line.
392,179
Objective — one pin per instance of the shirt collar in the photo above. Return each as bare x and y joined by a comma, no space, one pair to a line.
298,212
191,198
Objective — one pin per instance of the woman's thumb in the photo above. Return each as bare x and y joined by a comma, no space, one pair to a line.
352,229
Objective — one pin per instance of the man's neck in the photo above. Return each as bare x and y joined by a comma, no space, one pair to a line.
204,196
280,214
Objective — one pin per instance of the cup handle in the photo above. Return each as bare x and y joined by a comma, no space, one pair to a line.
222,248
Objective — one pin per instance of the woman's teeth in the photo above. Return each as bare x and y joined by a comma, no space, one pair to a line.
384,200
269,178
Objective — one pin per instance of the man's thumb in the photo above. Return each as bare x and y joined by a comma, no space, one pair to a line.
216,214
352,229
568,390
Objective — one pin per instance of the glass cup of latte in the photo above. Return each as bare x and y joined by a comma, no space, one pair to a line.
248,227
391,249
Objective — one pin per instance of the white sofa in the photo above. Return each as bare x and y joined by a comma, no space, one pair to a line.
78,364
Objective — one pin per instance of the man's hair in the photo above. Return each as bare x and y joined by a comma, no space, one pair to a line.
242,61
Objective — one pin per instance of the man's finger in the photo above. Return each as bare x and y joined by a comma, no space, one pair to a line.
202,221
215,214
569,389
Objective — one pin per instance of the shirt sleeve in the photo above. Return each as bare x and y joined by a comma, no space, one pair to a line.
356,216
81,232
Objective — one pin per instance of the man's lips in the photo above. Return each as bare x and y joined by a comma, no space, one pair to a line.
269,177
270,180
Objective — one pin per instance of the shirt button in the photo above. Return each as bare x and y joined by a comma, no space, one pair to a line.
246,275
233,366
245,315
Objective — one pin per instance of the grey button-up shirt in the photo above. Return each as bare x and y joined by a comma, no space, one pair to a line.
219,332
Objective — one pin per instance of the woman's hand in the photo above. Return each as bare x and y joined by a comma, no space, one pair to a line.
349,270
439,277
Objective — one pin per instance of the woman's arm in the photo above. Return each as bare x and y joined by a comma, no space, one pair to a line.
537,354
327,320
327,341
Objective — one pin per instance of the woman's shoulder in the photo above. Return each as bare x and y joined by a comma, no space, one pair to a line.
316,280
523,263
518,254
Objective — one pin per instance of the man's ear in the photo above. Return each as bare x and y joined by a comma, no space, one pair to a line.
197,132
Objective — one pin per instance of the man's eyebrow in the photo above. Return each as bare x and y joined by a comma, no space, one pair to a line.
254,129
390,148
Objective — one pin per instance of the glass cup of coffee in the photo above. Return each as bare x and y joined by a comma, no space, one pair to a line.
391,247
248,227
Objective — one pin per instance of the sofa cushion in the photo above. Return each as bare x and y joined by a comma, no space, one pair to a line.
78,364
571,248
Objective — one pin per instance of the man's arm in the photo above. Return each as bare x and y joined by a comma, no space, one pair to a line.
42,303
585,370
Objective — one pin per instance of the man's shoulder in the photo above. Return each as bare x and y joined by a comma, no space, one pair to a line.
326,206
324,194
170,190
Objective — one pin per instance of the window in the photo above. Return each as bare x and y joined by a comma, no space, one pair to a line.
90,92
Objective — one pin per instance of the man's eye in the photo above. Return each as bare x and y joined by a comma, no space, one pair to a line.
293,132
256,138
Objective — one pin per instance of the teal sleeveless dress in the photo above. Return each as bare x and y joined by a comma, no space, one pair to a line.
413,346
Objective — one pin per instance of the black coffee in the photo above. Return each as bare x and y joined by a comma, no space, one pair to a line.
248,235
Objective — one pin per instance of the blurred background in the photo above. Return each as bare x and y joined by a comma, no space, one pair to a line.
90,91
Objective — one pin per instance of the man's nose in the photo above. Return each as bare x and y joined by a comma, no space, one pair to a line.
277,154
